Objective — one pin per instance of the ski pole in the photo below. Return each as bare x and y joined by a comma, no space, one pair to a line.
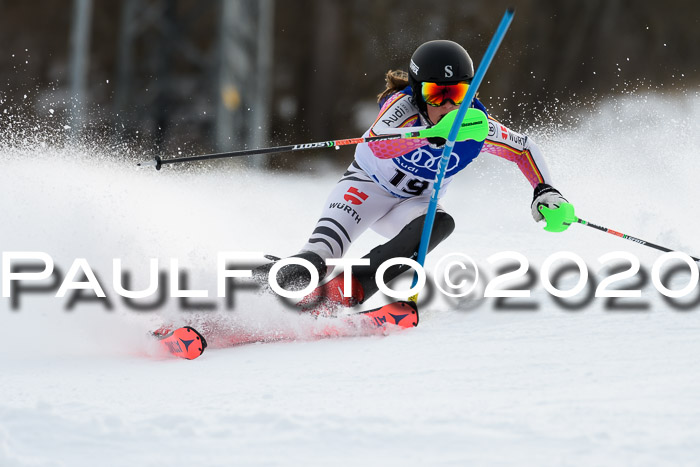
561,218
449,144
474,125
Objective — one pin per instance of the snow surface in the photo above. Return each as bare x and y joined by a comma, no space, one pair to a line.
471,385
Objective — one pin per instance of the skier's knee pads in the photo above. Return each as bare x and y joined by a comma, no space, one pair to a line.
405,245
442,228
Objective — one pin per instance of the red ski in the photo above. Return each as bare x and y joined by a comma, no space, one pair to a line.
185,342
402,314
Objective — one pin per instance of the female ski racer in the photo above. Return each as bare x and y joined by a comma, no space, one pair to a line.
388,186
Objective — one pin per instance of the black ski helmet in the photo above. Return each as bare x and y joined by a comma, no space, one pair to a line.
441,61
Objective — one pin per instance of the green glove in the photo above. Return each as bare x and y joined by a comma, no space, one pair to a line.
560,218
549,204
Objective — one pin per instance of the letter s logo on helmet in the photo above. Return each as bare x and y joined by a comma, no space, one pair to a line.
442,62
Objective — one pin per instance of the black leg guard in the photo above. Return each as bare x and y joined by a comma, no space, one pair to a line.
293,277
405,245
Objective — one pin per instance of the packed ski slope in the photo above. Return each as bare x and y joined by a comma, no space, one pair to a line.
472,384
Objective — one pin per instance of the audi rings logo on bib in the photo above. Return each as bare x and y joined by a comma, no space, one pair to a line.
425,159
425,163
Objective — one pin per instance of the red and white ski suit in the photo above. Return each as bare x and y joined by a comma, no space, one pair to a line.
390,182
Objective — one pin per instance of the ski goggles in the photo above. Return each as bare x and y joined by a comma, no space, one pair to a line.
437,94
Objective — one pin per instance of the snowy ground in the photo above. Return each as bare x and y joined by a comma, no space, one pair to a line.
471,385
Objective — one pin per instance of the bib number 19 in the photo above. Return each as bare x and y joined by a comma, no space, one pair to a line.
412,186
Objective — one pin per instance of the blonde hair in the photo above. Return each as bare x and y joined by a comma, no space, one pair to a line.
396,80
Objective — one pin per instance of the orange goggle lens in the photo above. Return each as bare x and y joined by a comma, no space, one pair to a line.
437,94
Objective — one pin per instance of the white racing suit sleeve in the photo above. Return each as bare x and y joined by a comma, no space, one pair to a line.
508,144
397,112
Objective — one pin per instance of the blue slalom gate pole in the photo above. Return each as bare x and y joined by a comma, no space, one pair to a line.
449,144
